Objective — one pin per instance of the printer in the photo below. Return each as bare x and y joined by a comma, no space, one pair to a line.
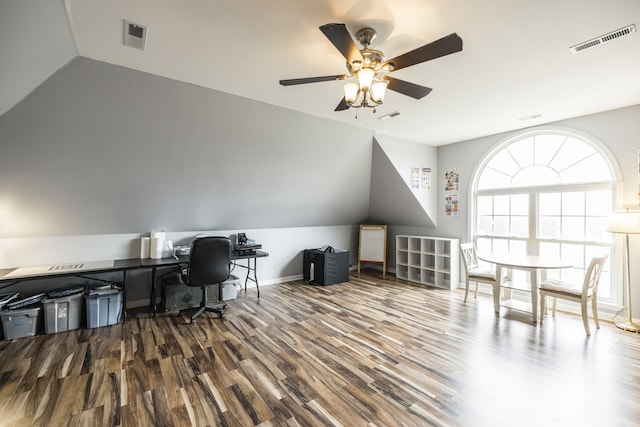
245,246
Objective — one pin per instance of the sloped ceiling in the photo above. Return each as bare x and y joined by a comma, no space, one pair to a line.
515,69
391,200
35,41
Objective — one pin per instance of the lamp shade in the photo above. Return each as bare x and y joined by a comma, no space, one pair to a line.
351,92
378,89
365,77
627,222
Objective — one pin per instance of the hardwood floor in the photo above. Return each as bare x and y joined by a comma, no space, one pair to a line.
371,352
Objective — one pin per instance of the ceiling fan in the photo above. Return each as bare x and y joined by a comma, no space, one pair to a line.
370,68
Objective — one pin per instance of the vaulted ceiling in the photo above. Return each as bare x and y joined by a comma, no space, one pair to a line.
515,70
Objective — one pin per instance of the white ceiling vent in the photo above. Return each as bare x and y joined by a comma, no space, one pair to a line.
603,39
389,115
134,35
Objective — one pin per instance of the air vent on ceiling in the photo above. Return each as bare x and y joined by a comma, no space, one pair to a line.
134,35
389,115
603,39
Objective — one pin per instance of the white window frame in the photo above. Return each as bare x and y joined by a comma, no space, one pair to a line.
615,186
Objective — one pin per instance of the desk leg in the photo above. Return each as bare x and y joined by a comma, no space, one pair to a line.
153,290
255,274
497,289
251,270
124,296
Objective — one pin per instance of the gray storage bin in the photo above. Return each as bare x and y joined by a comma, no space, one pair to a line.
21,323
103,308
230,288
62,314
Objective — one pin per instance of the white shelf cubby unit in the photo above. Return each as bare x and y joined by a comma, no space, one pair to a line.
431,261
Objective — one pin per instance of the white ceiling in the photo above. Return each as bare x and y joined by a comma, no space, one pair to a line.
515,61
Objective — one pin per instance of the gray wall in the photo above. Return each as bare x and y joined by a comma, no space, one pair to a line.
101,149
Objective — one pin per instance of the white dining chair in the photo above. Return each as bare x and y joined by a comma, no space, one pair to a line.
580,293
473,273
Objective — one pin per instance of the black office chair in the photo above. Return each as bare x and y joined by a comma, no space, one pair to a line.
209,262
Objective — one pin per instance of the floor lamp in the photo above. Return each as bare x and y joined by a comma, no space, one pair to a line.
626,222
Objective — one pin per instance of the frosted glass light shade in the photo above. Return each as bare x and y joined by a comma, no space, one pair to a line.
627,222
378,90
351,92
365,77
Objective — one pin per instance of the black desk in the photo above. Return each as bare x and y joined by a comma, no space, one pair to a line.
125,265
258,254
119,265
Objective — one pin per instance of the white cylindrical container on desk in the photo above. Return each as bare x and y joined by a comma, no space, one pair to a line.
157,244
167,251
145,247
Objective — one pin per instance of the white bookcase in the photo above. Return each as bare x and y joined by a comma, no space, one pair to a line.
432,261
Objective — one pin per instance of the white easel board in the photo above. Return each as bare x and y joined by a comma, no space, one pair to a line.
373,245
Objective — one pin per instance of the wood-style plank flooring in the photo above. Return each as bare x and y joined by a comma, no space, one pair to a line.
370,352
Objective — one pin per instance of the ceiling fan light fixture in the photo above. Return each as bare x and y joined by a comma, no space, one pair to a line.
366,64
351,91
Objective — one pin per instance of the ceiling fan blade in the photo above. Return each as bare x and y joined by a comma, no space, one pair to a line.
341,39
407,88
291,82
441,47
342,105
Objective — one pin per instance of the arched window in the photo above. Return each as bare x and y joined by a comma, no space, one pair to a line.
546,192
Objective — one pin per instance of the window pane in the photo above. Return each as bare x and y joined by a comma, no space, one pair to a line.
591,169
520,204
504,162
599,202
501,226
535,176
501,247
572,228
522,151
573,254
546,147
485,225
549,227
485,205
518,247
573,203
501,205
483,245
549,204
596,229
571,152
520,226
551,250
493,179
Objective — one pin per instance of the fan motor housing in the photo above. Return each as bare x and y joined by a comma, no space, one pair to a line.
372,59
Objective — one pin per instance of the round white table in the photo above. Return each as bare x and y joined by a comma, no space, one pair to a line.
529,263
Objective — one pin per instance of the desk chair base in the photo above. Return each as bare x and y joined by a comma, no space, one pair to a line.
216,308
